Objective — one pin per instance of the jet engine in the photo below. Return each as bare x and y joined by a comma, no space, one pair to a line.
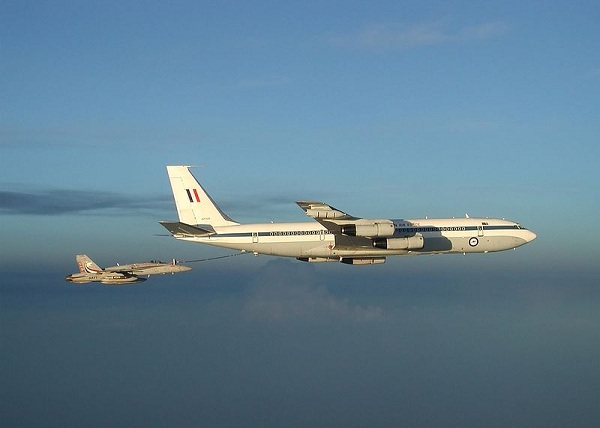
408,243
369,230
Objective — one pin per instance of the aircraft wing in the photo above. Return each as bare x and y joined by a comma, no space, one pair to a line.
137,269
125,269
148,269
129,269
341,223
327,215
184,229
322,211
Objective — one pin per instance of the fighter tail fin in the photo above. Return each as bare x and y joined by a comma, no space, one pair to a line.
87,265
194,205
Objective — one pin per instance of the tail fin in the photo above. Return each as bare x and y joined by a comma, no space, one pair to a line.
87,265
194,205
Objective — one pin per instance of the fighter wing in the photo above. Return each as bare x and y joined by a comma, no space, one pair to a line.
136,268
148,268
129,269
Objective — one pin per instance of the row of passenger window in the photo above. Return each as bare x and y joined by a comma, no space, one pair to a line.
296,233
431,229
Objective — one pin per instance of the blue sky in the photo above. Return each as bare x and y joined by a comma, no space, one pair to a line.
386,109
401,109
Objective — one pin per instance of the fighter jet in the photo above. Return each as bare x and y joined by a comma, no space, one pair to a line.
120,274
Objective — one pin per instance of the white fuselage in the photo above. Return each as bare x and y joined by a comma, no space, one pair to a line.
314,241
334,235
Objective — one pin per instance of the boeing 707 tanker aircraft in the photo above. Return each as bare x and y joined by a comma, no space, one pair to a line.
335,235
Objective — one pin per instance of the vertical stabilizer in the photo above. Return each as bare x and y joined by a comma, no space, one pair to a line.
87,265
194,205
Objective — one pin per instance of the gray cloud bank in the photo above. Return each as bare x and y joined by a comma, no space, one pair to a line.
61,201
293,292
296,345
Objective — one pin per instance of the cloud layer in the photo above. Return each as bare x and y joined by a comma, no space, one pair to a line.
395,36
286,291
288,345
62,201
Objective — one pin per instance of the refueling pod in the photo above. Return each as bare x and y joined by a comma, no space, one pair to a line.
363,261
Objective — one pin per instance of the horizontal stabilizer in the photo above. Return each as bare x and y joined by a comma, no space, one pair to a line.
178,228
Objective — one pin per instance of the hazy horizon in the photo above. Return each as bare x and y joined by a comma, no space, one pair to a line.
289,343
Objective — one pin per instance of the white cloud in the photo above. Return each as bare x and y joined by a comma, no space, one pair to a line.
286,291
393,36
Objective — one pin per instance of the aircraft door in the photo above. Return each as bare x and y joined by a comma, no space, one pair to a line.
479,230
254,237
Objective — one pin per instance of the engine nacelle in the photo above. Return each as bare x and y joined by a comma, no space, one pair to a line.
382,229
408,243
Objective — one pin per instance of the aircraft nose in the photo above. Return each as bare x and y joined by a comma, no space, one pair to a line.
529,236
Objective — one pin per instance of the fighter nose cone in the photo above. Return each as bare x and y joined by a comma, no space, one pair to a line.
530,236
